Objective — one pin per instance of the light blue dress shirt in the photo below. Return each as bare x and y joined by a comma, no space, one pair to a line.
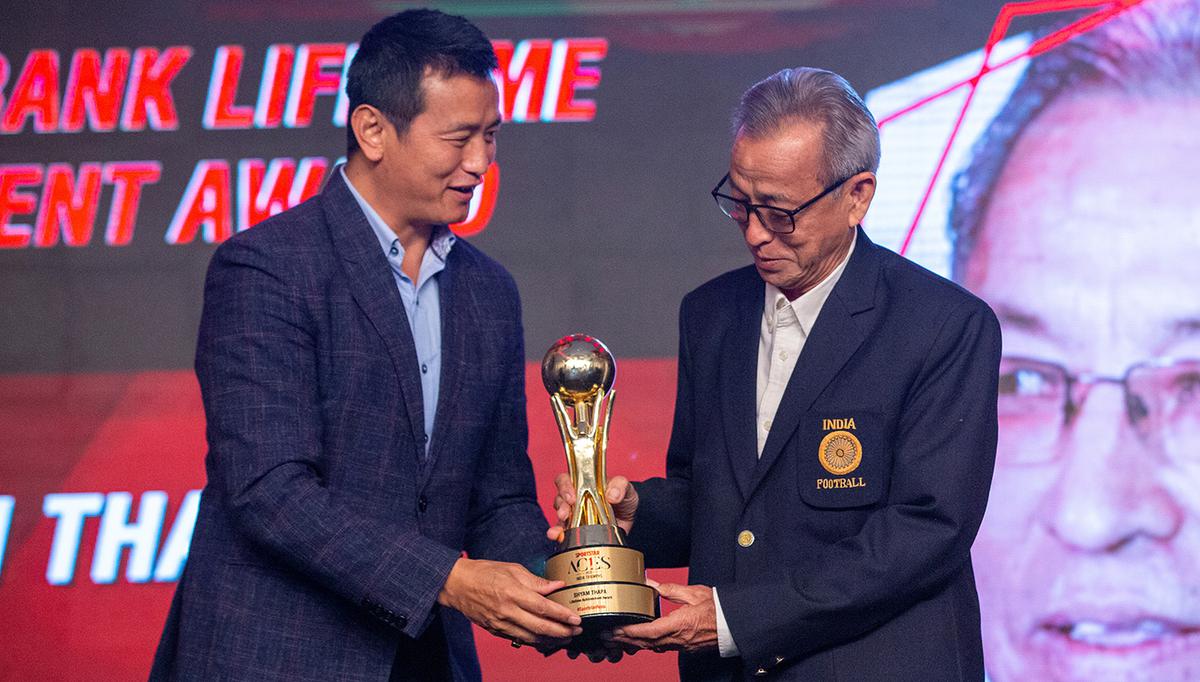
422,303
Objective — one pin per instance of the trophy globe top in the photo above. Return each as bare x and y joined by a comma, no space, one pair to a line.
578,368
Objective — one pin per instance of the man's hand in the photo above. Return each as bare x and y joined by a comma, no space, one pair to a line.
604,650
691,627
509,601
620,493
596,652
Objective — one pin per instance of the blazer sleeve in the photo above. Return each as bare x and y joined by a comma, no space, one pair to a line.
505,521
944,451
256,363
662,526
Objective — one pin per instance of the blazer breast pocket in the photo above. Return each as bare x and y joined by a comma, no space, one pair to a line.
843,458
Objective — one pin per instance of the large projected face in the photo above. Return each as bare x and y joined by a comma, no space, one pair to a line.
1089,558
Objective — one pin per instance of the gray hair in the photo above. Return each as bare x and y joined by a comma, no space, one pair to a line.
1149,52
849,131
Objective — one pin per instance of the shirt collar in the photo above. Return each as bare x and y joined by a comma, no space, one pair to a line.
440,243
808,305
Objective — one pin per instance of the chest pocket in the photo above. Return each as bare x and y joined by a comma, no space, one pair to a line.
843,458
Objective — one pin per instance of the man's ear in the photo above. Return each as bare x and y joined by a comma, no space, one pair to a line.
860,189
369,126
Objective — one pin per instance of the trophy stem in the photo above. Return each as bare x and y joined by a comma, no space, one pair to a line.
589,509
593,534
582,423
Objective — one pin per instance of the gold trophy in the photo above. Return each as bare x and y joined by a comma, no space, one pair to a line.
605,579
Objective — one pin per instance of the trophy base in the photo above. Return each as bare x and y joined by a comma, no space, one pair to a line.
606,605
592,626
605,580
597,601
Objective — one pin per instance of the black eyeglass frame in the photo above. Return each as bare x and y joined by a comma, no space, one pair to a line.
718,196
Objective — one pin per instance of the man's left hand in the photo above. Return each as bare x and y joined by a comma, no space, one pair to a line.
602,651
692,627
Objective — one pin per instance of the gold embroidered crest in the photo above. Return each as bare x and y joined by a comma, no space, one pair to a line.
840,452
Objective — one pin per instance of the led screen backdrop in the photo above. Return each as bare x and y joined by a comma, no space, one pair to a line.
133,139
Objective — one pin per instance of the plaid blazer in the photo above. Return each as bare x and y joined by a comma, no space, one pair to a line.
325,532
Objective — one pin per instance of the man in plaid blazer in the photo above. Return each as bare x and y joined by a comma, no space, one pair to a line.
362,376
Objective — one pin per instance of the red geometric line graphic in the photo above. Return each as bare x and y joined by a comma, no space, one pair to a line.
1010,11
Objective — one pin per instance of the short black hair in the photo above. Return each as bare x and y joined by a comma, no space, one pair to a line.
396,53
1149,51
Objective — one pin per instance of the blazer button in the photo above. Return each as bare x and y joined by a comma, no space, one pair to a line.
745,538
424,438
422,504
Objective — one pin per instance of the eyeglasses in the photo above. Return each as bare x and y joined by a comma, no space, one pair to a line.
1038,399
775,219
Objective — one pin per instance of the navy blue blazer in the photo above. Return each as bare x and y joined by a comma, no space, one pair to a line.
324,532
859,574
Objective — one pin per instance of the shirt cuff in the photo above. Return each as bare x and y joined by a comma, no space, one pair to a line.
725,644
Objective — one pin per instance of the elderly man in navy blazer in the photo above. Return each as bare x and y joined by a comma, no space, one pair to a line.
362,375
835,427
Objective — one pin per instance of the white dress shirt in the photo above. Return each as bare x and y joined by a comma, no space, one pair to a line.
784,329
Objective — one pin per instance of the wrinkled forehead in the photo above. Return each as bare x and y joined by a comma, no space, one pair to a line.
791,154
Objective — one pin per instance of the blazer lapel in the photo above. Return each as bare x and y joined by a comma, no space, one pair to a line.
739,376
834,338
456,301
374,289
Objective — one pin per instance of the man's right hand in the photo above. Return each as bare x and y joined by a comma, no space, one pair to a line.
620,493
508,601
